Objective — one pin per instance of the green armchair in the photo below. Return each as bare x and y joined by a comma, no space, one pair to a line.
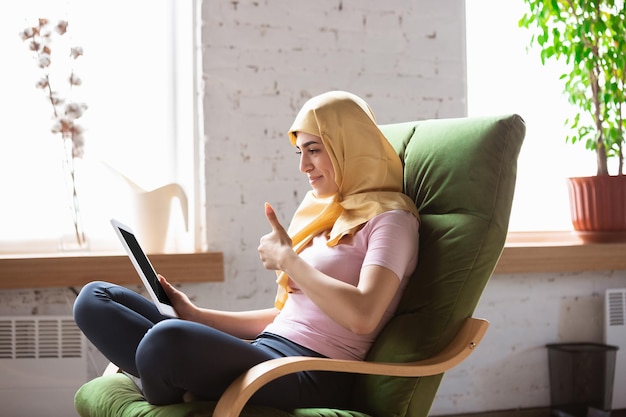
461,174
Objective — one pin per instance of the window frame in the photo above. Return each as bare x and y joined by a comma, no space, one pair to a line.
184,142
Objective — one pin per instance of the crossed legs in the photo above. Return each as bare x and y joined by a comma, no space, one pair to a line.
173,356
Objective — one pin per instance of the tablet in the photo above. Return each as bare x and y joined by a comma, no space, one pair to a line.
144,268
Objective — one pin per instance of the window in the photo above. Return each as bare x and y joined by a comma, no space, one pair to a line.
504,78
137,76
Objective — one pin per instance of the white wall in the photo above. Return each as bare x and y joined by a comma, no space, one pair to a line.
509,370
263,59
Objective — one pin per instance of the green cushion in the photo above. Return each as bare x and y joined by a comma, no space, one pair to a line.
117,395
461,174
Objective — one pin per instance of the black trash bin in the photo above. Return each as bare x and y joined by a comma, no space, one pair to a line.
581,379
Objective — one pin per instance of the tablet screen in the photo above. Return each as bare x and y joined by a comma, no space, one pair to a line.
147,269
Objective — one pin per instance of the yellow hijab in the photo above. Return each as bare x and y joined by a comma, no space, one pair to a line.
368,172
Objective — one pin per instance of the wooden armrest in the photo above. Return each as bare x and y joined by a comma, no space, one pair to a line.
111,369
239,392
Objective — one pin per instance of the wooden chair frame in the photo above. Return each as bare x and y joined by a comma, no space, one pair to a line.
239,392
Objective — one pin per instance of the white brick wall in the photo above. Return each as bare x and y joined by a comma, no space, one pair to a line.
263,59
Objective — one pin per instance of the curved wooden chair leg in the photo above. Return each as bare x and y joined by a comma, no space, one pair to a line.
239,392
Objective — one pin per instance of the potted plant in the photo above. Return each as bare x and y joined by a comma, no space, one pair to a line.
589,36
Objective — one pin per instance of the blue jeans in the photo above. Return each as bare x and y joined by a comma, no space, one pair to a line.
173,356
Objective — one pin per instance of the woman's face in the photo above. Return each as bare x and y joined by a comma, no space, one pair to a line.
316,164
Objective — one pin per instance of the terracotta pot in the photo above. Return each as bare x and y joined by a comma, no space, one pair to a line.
598,207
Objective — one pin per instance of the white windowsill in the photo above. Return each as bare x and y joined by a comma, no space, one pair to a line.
532,252
74,270
536,252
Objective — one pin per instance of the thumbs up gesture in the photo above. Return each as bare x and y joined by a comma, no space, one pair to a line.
275,245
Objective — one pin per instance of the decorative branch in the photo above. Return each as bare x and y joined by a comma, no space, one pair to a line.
65,111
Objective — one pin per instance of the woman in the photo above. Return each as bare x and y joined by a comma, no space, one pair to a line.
341,266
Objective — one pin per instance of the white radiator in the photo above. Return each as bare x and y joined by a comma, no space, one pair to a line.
615,334
42,364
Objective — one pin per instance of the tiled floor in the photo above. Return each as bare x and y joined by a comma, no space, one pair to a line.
532,412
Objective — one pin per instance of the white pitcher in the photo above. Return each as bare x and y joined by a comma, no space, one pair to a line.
153,211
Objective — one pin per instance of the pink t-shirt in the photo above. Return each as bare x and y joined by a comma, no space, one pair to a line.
389,240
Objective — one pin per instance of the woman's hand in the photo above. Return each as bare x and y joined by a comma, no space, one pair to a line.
242,324
183,306
275,247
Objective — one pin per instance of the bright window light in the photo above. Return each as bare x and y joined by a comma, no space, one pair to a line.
129,78
504,78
